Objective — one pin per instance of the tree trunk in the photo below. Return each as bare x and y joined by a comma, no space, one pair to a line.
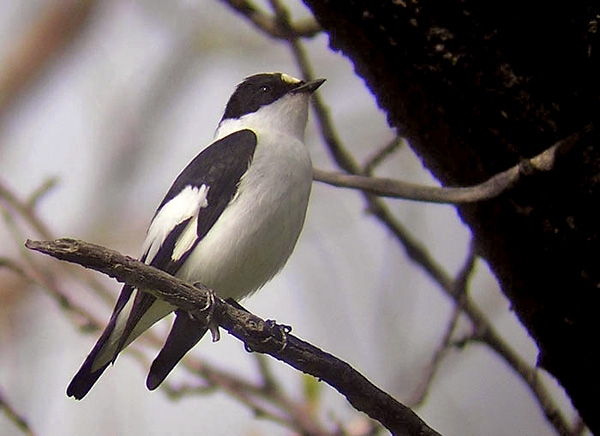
476,87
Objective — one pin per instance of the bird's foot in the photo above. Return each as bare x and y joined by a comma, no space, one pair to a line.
277,332
209,309
281,329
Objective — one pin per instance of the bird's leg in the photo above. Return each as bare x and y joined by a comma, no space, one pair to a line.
210,308
214,331
271,325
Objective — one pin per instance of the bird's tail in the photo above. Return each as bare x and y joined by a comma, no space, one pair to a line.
86,377
134,313
185,333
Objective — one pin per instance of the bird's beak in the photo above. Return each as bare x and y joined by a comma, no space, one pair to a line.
308,87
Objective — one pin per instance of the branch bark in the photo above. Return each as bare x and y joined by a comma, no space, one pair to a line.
257,334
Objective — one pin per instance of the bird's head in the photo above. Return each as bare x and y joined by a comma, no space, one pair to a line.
270,101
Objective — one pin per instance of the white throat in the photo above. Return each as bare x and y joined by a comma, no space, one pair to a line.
287,115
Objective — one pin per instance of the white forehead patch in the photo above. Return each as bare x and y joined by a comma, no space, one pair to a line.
289,79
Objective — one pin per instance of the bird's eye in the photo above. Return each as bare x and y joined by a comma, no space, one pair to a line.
265,89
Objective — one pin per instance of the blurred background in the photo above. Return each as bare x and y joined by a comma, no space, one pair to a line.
102,103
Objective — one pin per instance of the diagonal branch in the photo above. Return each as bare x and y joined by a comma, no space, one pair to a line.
270,25
258,335
18,420
50,34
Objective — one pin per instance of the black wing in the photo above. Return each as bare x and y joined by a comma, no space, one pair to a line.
185,333
220,167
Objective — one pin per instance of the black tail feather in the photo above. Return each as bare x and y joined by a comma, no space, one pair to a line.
185,333
84,379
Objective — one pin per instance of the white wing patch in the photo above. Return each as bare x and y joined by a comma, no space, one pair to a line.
186,240
183,206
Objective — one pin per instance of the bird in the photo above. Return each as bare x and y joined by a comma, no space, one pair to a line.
229,221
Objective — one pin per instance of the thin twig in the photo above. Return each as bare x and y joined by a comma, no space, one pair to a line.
461,283
13,416
25,209
381,155
346,162
269,405
22,208
494,186
306,28
40,193
49,34
272,406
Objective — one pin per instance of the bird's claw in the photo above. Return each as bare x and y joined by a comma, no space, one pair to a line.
283,331
280,331
209,307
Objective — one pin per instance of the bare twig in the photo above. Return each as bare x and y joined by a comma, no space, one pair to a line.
264,22
257,334
53,30
496,185
14,416
269,404
380,155
25,209
40,193
460,284
344,159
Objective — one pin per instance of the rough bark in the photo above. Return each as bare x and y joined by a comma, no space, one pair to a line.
476,87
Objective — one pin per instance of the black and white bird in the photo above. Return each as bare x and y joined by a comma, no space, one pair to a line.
230,220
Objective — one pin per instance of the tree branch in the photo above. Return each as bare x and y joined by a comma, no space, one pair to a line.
18,420
51,32
270,25
491,188
258,335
